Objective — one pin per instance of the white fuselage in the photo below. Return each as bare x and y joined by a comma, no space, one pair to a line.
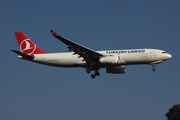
127,57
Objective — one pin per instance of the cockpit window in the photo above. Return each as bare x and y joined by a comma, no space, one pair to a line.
164,52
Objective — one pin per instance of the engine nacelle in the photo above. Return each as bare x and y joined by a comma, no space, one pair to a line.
110,60
116,70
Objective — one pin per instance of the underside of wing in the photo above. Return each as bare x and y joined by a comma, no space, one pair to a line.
84,52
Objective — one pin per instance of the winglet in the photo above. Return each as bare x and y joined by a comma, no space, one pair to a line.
53,33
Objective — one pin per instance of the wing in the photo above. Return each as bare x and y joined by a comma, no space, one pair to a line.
89,55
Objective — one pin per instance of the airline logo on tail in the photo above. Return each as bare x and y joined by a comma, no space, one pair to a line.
27,46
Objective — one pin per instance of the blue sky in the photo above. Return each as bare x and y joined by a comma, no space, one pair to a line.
32,91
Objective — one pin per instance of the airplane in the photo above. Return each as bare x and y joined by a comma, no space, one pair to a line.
114,61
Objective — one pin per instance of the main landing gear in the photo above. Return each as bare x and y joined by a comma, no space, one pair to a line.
96,72
153,68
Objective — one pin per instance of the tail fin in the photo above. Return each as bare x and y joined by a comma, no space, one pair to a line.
26,45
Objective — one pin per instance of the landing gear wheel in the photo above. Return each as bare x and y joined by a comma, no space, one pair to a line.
93,76
97,73
88,71
153,69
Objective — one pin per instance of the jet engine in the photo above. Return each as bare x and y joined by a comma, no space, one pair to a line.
116,70
110,60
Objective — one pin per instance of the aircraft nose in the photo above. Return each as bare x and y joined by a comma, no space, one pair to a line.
169,56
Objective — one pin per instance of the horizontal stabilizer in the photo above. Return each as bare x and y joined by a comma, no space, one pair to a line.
24,56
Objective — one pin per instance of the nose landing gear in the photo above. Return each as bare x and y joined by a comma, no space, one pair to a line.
153,68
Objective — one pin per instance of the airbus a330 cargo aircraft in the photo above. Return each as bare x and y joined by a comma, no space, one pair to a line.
114,61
